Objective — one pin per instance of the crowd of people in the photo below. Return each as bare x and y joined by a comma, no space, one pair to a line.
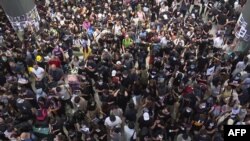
99,70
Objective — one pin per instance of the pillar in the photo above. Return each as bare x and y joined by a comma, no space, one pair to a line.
21,13
242,29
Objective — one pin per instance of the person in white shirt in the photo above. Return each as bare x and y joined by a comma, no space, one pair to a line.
112,121
163,8
117,28
129,131
97,34
38,72
241,65
164,41
218,42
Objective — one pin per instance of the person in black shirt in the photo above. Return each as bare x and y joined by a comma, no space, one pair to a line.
56,74
172,131
101,133
55,127
221,19
130,112
3,128
202,63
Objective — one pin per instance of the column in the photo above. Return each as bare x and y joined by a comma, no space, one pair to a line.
21,13
242,29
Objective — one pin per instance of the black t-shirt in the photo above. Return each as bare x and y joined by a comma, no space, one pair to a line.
202,62
164,116
2,67
206,27
130,115
126,81
170,130
56,126
143,123
100,132
122,100
56,74
24,107
169,99
3,128
101,87
222,19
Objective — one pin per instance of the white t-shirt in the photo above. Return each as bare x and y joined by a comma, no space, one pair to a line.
117,29
241,66
218,42
164,41
128,133
39,72
111,124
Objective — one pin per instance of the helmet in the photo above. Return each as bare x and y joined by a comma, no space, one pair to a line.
38,58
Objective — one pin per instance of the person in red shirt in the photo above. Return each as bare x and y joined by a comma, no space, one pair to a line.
56,61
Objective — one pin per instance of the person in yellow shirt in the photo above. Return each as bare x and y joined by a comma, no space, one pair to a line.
87,51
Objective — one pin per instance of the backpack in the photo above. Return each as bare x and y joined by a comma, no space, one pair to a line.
41,114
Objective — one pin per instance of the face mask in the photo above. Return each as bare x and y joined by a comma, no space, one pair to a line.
4,59
83,78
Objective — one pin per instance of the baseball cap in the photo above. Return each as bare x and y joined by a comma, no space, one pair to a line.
38,58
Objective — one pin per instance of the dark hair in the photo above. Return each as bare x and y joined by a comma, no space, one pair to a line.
112,118
77,99
131,105
58,89
131,125
185,136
